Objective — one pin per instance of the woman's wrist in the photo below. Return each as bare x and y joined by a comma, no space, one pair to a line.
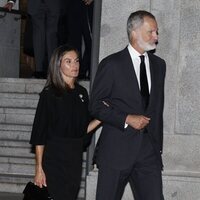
38,167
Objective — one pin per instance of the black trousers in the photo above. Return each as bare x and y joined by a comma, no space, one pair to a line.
70,24
86,26
144,177
45,39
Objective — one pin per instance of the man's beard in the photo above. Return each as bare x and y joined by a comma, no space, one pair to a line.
144,45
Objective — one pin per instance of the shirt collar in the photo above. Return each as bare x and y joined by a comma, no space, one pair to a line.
134,53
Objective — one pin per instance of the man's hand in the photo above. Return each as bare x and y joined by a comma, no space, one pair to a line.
87,2
9,6
137,121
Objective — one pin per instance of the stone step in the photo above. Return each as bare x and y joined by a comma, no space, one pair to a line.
15,183
18,100
26,169
15,135
17,111
17,160
21,150
21,119
17,165
24,152
14,144
27,86
25,161
13,95
25,166
17,116
15,127
15,85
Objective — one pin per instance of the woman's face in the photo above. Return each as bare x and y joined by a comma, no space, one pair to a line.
69,66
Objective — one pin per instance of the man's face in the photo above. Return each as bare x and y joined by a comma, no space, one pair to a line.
146,36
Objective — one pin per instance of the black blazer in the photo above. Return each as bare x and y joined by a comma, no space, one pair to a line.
116,84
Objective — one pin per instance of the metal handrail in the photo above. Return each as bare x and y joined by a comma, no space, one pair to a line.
5,11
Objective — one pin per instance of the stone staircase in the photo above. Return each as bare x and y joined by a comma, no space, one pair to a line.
18,101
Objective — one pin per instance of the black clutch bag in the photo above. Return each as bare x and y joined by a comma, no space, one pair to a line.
33,192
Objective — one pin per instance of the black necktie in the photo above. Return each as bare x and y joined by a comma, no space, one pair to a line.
144,89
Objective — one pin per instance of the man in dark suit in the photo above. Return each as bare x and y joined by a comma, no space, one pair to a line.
86,27
128,97
75,27
44,16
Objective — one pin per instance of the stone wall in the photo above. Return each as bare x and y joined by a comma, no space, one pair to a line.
179,39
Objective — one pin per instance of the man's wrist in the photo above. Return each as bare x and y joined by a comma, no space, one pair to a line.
127,119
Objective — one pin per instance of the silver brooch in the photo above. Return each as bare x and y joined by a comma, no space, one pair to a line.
81,97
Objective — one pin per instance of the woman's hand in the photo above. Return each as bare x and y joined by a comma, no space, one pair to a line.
40,178
92,125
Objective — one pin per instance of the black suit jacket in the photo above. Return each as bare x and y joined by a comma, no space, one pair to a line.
116,84
53,5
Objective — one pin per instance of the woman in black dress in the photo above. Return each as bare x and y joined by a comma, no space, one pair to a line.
60,127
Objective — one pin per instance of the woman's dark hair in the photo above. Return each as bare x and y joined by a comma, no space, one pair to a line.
54,78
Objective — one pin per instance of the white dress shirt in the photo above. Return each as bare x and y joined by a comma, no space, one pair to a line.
135,57
136,64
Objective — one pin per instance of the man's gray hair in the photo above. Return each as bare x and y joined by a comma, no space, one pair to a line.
136,19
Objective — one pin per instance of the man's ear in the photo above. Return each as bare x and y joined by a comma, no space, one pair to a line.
133,36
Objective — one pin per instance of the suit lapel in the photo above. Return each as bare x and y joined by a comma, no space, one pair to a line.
132,79
152,72
131,76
